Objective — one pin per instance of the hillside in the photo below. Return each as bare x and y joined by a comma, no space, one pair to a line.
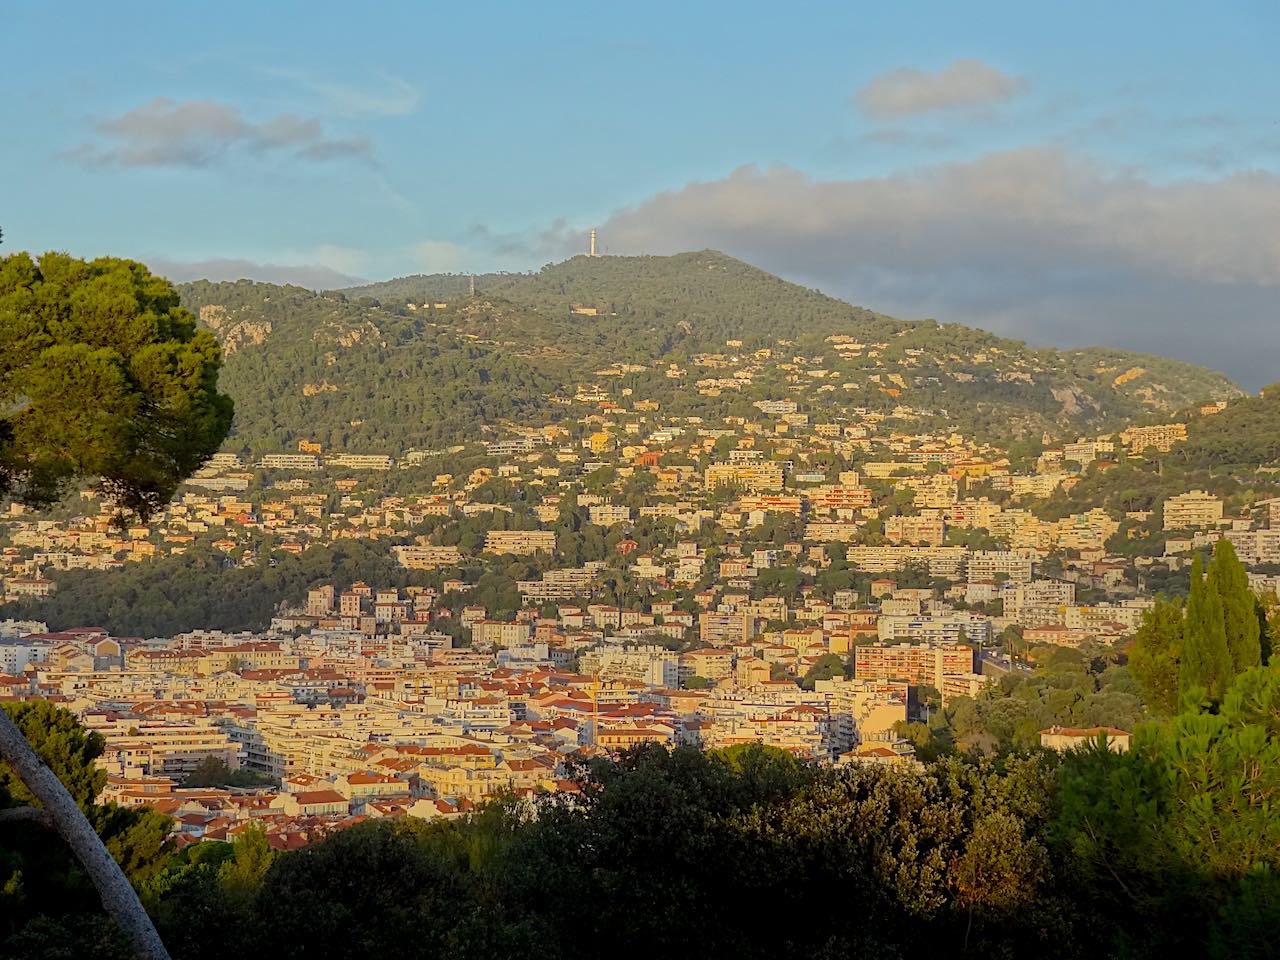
300,364
1247,433
417,361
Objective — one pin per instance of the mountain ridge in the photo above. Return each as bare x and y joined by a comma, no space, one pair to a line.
430,363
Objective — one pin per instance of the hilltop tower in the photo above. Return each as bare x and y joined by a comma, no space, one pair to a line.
592,252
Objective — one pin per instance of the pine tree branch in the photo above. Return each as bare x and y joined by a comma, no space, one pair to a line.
27,815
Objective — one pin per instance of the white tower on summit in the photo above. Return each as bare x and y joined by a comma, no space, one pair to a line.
592,252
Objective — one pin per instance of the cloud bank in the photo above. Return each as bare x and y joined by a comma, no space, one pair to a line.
908,92
1033,243
311,276
201,133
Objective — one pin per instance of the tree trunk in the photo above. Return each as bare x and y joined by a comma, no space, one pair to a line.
118,896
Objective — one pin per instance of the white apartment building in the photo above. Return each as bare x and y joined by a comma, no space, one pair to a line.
935,628
289,461
16,653
607,514
987,564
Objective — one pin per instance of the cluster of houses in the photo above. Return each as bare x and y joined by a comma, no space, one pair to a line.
817,581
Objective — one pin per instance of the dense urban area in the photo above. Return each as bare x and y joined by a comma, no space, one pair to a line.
734,590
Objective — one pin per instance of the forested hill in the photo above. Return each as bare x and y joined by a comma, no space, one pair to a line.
305,365
1247,432
419,362
717,297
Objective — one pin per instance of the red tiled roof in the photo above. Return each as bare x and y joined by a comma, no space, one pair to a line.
312,797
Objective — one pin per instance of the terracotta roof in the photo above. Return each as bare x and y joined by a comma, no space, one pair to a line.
310,797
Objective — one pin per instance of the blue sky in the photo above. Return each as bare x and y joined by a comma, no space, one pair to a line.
1098,173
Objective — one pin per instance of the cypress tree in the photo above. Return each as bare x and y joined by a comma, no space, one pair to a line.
1156,650
1230,582
1206,661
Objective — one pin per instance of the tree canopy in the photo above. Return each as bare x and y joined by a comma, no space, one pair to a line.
46,900
1196,651
104,377
1170,849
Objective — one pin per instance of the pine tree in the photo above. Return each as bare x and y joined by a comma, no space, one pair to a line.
1206,661
1227,578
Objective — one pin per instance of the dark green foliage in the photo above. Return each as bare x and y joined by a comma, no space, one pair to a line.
203,896
1247,432
1224,631
1067,688
48,906
213,772
1206,660
194,590
1175,844
387,889
104,377
63,744
89,937
1227,577
304,365
1221,635
827,666
671,854
1156,655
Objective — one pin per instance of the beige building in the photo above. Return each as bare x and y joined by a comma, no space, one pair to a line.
712,664
500,633
1162,437
607,514
722,627
520,541
1063,739
426,557
148,748
925,531
916,663
763,475
1192,510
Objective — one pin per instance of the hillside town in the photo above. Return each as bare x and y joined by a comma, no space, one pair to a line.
612,579
487,483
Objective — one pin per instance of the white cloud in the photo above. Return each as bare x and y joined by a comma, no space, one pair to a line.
396,98
1018,210
908,92
200,133
550,242
390,96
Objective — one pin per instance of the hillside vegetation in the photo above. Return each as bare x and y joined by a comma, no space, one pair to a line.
1247,432
301,364
418,361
